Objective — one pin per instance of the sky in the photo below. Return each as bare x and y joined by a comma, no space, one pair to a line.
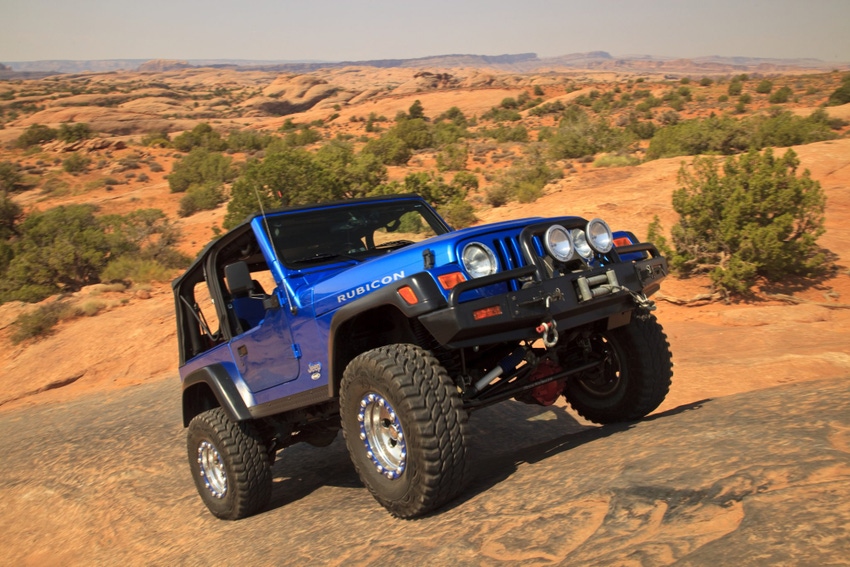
357,30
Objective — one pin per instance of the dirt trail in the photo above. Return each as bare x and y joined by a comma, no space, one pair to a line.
760,478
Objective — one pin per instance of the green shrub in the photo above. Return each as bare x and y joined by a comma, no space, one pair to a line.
414,132
159,139
785,129
248,140
453,115
503,133
136,270
416,111
35,135
75,163
693,137
39,322
735,88
643,129
758,219
499,195
201,198
286,176
202,136
56,186
452,158
578,136
10,176
74,132
303,136
90,308
389,149
555,107
458,213
11,214
764,86
728,136
199,167
780,95
523,182
841,95
496,114
465,180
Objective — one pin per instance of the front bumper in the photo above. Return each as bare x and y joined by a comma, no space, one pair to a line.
572,300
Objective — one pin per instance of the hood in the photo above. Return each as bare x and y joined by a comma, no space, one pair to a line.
351,283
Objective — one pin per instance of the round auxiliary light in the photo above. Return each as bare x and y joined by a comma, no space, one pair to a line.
599,236
580,244
558,243
478,260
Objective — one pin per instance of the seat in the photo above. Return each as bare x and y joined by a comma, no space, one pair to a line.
248,307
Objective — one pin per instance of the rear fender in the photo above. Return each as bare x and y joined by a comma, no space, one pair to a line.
209,387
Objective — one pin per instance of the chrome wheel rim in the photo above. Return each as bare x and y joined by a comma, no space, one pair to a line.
212,469
382,435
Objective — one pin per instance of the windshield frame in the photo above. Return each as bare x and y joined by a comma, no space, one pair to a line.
345,232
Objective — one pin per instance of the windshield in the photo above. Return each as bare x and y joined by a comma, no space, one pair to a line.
352,232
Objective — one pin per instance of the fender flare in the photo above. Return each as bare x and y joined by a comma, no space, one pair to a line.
218,380
423,285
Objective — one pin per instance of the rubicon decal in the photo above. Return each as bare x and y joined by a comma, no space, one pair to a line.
370,286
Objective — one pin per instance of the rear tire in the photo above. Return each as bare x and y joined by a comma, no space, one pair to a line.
633,380
230,465
405,428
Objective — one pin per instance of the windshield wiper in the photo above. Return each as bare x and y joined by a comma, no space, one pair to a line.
325,256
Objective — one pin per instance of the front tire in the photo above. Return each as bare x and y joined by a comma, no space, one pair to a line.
405,428
634,378
230,465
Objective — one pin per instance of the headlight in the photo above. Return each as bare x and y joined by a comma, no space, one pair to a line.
478,260
580,243
558,243
599,236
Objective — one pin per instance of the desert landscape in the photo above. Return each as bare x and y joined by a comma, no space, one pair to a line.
747,460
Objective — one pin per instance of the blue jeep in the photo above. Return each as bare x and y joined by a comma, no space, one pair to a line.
375,317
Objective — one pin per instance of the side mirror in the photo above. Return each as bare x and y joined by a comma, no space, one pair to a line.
238,279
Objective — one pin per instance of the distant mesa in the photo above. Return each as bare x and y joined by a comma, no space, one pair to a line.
517,62
160,65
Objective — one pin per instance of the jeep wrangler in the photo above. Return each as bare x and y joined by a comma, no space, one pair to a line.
375,317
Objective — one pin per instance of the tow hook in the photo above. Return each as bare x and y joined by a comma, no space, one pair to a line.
548,331
644,304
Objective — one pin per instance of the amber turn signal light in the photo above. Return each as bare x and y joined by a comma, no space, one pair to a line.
448,281
406,292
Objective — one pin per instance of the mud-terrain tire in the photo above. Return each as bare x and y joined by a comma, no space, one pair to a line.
634,378
405,428
230,465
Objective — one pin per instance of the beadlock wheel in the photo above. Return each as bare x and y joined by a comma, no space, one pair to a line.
405,428
230,464
382,435
212,470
